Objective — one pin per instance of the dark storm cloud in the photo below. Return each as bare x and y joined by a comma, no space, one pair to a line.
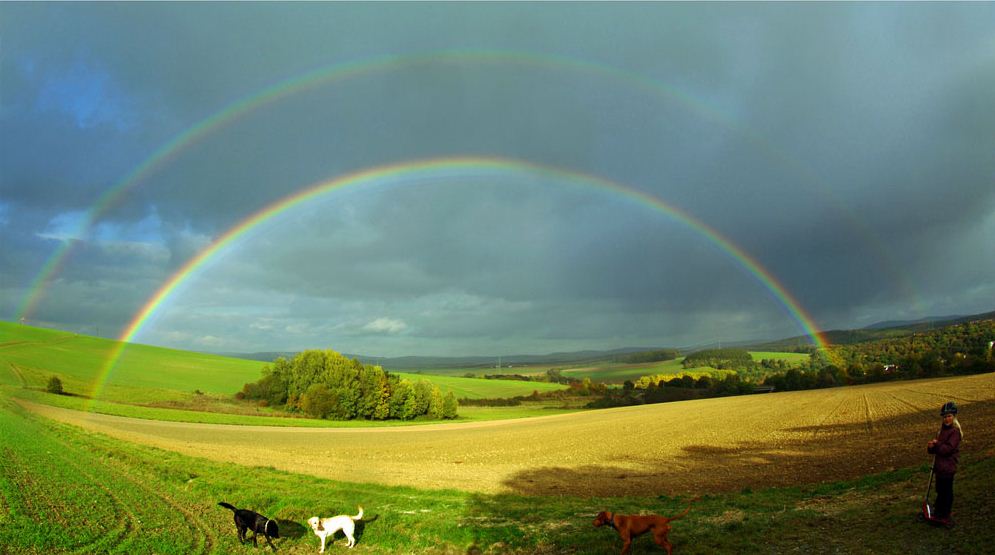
846,147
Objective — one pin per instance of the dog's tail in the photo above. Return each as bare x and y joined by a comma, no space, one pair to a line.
686,511
227,506
359,516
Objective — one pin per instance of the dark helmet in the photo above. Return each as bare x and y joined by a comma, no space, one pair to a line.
949,407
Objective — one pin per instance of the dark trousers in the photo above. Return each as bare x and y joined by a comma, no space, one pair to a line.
944,495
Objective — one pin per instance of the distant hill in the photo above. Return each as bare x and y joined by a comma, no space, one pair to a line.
874,332
425,362
933,321
264,356
802,343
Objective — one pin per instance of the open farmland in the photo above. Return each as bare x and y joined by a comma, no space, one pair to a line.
617,373
158,377
707,445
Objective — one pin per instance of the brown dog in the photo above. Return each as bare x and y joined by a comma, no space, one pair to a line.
630,526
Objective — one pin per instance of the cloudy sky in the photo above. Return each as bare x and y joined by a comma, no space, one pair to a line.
641,174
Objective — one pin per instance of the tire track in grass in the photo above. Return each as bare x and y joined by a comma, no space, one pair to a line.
139,494
61,466
18,374
201,536
119,536
95,493
37,503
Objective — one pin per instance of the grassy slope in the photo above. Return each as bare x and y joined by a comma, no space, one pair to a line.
146,374
137,499
78,360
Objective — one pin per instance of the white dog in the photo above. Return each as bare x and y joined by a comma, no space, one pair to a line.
324,527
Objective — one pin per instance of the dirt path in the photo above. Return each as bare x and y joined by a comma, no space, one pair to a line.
688,447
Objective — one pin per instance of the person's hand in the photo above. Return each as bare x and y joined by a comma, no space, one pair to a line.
931,443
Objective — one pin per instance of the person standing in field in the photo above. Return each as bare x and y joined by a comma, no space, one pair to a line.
946,448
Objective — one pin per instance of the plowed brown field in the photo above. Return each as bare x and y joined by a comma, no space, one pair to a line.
699,446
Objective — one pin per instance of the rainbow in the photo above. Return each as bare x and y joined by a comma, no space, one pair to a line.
420,170
345,71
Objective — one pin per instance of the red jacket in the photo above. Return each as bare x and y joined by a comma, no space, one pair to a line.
946,449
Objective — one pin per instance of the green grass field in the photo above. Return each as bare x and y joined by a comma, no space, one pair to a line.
65,490
169,379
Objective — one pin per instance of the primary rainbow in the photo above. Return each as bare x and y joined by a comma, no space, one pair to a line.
420,170
340,72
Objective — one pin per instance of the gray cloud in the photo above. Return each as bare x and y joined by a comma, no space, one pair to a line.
844,147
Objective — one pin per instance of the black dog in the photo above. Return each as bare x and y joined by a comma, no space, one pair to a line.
251,520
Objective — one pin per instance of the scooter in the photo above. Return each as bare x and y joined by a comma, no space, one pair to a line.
926,514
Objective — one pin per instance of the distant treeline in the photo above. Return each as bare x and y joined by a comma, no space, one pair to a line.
648,390
658,355
719,358
552,375
326,384
948,351
581,388
959,349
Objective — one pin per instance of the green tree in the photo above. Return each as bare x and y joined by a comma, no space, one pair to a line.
382,409
423,397
54,385
402,400
449,406
435,406
318,401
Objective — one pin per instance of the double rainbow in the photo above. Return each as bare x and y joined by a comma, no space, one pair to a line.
342,72
422,170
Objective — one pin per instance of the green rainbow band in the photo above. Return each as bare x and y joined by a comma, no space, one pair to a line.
412,169
329,74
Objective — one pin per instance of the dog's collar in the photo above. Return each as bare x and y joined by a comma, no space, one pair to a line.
611,520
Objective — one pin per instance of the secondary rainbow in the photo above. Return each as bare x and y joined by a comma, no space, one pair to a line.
306,81
419,170
341,72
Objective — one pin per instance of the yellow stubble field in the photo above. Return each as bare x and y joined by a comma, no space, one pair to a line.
708,445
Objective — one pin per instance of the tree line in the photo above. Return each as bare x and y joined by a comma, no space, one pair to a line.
722,359
326,384
959,349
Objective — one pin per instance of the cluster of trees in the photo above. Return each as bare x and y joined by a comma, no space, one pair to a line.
723,359
965,348
697,379
957,349
673,388
658,355
807,378
952,350
326,384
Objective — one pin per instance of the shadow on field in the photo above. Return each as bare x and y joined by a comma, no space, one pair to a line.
794,456
291,528
506,523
